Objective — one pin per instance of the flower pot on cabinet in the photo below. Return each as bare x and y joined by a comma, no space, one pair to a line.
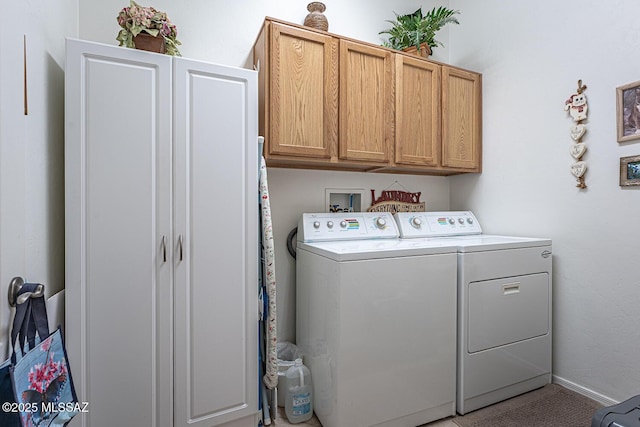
423,52
144,41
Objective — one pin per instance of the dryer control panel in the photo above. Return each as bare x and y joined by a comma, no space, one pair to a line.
437,224
321,227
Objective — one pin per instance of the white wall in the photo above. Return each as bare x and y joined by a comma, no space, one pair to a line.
223,31
531,55
32,145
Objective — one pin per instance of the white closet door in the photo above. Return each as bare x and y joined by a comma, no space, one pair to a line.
118,183
215,214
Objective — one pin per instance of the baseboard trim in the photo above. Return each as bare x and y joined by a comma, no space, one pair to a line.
602,399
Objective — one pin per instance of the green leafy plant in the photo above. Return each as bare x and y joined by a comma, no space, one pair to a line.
136,19
415,28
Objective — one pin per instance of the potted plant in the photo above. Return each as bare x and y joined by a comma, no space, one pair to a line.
137,21
416,29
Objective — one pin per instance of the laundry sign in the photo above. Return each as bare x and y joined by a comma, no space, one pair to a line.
396,201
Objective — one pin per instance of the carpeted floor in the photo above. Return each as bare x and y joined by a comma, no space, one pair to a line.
550,406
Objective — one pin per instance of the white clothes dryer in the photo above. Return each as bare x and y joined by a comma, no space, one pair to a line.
375,319
504,307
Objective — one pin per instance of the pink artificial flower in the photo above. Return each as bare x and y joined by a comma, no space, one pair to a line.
46,344
38,378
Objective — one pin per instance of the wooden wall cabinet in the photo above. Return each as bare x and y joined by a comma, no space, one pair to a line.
298,93
366,102
438,118
330,102
418,115
461,119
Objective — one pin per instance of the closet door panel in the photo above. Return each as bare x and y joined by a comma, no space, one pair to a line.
117,194
216,211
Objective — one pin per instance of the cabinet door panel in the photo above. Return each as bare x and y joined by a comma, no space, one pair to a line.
366,102
417,112
303,104
462,119
117,157
215,218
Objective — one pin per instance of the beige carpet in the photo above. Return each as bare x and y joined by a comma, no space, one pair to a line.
550,406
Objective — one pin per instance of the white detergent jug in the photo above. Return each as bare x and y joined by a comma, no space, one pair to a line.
298,403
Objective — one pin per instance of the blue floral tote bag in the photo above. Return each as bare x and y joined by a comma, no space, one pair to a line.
43,386
41,392
9,415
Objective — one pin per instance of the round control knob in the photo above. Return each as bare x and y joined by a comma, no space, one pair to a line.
330,224
452,221
381,222
416,222
470,220
461,221
343,224
316,224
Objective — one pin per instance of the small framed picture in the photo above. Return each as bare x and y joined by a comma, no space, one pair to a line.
628,111
629,171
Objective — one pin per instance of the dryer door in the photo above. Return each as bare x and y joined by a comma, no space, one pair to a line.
508,310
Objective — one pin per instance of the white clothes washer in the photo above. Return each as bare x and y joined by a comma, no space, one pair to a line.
504,307
375,319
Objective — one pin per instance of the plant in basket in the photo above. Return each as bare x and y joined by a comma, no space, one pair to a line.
416,28
137,20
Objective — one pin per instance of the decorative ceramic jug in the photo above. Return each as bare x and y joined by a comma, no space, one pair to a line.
315,18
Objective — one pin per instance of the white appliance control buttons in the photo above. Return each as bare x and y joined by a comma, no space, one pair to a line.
330,226
437,224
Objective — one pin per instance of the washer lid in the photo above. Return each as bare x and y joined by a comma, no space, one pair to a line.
353,250
488,242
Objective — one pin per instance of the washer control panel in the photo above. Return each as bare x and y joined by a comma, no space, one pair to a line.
319,227
437,224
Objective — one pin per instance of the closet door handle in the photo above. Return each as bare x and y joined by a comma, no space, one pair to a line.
164,248
180,246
